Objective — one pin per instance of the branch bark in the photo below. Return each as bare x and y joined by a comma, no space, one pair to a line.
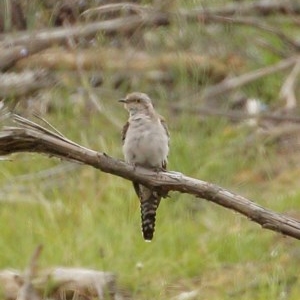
15,46
28,136
230,84
27,290
237,115
80,283
263,8
287,91
10,55
26,82
147,17
60,35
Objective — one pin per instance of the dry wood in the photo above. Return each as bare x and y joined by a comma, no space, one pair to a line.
17,45
10,55
19,84
10,283
127,7
263,7
146,17
28,136
237,115
232,83
287,91
60,35
57,282
27,290
258,25
258,8
126,61
91,283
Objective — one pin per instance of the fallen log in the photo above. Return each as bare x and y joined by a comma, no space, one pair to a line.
59,281
23,83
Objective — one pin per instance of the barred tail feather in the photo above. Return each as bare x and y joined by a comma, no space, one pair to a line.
149,203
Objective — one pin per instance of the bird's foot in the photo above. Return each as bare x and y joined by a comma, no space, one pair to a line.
134,166
159,169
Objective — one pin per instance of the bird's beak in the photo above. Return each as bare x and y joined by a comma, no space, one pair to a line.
122,100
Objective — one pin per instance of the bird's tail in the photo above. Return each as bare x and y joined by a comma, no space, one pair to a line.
149,203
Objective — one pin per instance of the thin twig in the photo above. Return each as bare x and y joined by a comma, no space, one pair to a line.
50,125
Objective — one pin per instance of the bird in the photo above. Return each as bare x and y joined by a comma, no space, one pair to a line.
145,139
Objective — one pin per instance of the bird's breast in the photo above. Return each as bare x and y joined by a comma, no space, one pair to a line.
146,143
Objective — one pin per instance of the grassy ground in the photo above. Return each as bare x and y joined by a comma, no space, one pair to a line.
91,219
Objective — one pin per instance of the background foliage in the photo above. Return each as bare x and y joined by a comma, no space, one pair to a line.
90,219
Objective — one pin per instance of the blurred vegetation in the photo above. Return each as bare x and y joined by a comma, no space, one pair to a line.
87,218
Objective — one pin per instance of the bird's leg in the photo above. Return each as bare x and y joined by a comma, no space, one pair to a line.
160,190
133,165
158,169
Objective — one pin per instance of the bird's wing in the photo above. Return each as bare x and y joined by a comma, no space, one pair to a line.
124,131
164,124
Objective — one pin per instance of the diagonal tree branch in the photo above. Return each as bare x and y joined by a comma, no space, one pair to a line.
28,136
230,84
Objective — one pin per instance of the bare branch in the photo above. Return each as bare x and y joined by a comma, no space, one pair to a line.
83,281
32,284
287,91
60,35
232,83
253,8
237,115
30,137
146,17
255,24
19,84
10,55
88,283
15,46
117,7
27,291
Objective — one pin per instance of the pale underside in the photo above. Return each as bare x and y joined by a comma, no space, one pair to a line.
146,143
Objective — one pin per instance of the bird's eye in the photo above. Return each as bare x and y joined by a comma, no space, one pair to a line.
138,101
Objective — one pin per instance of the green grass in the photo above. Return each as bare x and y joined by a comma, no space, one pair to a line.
91,219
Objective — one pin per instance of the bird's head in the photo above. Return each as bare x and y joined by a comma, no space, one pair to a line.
137,103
